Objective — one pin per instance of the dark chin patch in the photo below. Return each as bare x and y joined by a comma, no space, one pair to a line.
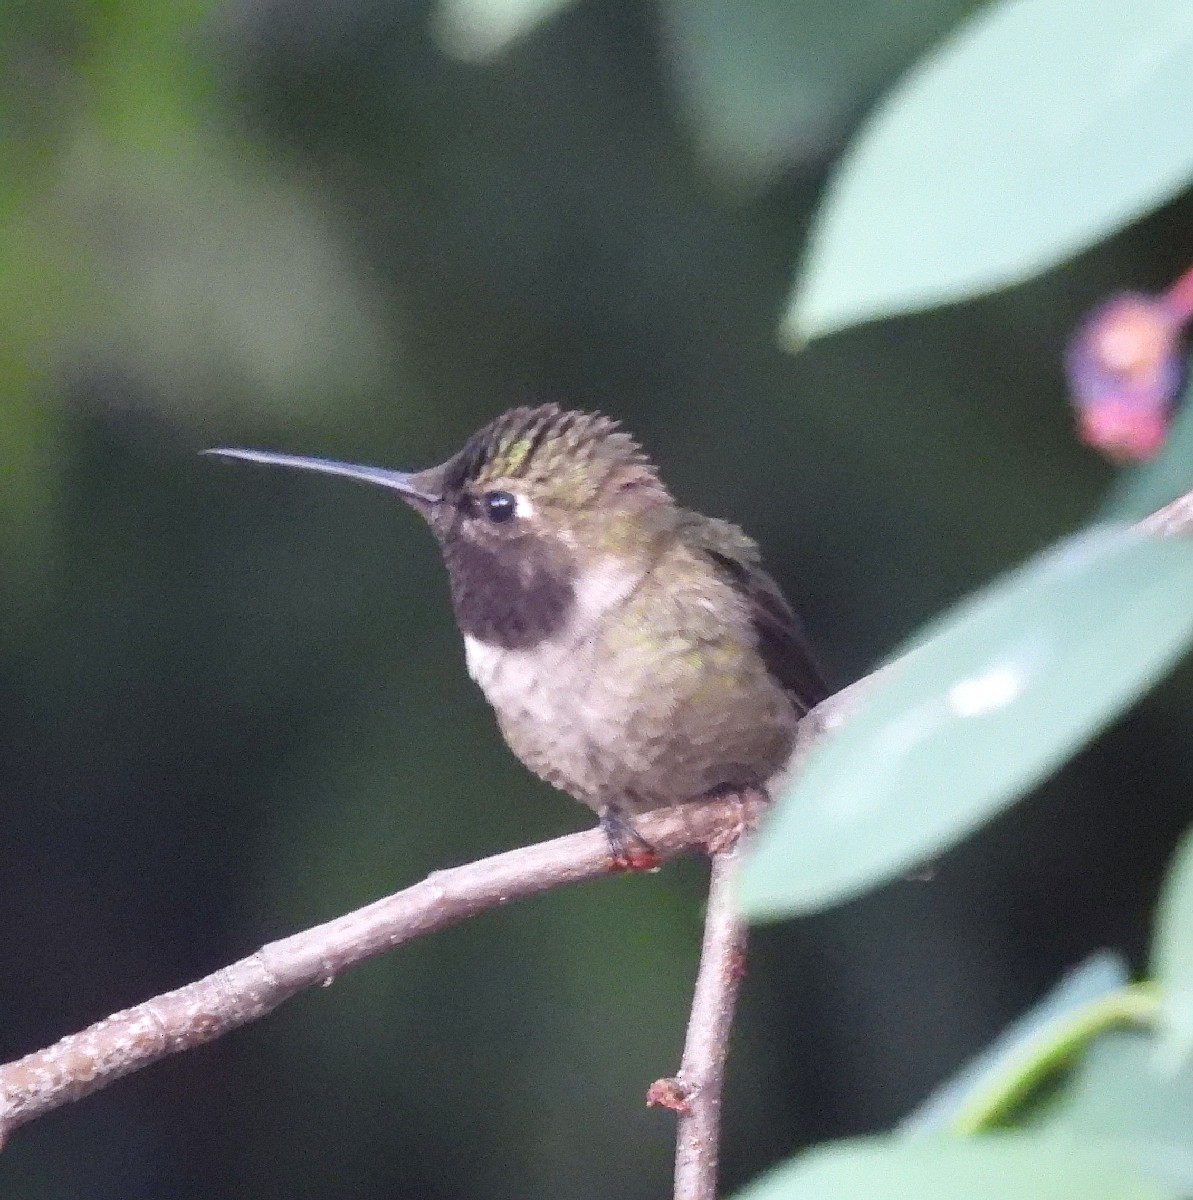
514,598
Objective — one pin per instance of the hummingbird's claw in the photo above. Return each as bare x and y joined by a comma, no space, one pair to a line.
628,849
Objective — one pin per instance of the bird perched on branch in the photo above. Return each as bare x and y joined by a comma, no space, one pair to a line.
636,653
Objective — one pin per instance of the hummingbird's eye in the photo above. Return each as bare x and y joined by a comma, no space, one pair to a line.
499,506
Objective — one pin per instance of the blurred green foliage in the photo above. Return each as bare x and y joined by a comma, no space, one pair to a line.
234,705
1087,1094
1002,152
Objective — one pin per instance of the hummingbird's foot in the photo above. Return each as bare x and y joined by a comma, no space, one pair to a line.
628,849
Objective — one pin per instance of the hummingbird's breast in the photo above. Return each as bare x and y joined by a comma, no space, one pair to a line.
651,694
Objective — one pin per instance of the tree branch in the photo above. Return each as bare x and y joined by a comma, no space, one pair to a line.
199,1012
235,995
695,1093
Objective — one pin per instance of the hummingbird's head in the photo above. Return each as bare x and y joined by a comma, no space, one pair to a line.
543,514
545,473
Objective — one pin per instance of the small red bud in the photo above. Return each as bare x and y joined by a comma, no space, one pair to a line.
1124,369
668,1093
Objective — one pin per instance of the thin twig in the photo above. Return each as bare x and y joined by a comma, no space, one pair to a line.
126,1041
695,1092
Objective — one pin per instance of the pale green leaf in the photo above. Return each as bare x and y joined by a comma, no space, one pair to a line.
997,1167
1099,976
1134,1107
1172,954
1039,128
993,697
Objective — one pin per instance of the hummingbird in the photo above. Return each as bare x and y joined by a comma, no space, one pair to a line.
636,653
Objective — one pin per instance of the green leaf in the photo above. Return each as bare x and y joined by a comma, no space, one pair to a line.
991,698
1172,955
1136,1109
1014,1166
1041,127
1031,1035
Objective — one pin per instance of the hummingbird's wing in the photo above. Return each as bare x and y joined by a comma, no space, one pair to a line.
781,639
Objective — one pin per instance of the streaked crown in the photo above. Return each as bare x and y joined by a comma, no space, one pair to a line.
573,456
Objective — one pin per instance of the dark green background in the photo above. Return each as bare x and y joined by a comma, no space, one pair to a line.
232,702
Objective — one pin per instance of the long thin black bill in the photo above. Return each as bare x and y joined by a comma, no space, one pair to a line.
399,481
